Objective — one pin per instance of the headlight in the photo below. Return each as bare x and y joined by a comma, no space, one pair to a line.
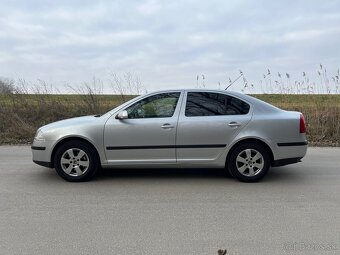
39,136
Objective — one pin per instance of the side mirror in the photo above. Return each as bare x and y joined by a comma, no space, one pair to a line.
122,115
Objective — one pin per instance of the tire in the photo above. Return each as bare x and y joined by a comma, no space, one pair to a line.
76,161
249,162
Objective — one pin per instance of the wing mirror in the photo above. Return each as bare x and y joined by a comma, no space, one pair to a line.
122,115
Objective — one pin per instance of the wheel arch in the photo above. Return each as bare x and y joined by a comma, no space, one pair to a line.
68,139
252,140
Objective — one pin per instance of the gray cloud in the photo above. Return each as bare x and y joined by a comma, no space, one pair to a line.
167,43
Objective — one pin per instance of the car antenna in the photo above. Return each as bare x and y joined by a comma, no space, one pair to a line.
231,83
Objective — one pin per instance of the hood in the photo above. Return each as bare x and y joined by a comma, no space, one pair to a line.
69,122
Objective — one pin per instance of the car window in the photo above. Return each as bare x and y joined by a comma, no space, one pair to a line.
157,106
214,104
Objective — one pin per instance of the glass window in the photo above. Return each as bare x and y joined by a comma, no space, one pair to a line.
157,106
213,104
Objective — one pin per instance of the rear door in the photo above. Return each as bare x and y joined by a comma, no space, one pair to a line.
208,122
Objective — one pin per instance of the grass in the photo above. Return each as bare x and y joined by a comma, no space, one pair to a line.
22,114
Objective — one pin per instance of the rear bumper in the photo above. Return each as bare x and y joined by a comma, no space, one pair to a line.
290,152
286,161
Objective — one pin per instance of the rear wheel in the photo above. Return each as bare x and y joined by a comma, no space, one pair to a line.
76,161
249,162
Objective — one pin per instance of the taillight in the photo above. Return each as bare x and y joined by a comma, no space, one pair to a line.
302,124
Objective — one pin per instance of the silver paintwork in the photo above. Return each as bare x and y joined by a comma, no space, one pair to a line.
264,122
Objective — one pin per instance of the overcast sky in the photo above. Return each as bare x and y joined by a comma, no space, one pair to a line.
167,43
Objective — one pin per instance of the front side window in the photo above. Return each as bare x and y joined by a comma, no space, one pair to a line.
157,106
214,104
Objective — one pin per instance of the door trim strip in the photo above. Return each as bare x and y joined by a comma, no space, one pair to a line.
191,146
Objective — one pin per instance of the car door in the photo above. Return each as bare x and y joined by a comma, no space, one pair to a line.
208,122
148,133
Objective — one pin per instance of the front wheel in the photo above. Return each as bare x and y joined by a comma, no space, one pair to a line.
249,162
76,161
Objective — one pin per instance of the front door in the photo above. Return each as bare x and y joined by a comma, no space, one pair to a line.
148,135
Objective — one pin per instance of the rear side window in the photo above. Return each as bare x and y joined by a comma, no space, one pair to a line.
214,104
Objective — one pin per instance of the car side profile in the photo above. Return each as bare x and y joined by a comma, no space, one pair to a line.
176,128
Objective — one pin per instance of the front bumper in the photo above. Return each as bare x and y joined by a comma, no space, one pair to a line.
41,152
42,163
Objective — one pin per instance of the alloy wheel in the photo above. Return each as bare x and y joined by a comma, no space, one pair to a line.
74,162
249,162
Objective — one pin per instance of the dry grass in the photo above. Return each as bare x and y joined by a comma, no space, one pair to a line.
22,114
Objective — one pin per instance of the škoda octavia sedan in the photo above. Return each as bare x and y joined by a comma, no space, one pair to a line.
176,128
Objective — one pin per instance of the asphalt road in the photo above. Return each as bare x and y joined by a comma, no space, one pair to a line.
295,210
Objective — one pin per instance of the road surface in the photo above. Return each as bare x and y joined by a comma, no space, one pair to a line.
294,210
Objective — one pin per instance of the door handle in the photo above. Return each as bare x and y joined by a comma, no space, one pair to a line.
234,124
167,125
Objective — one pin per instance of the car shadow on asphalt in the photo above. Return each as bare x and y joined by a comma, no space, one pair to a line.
278,174
162,173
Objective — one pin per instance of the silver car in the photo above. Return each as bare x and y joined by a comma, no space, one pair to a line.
176,128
